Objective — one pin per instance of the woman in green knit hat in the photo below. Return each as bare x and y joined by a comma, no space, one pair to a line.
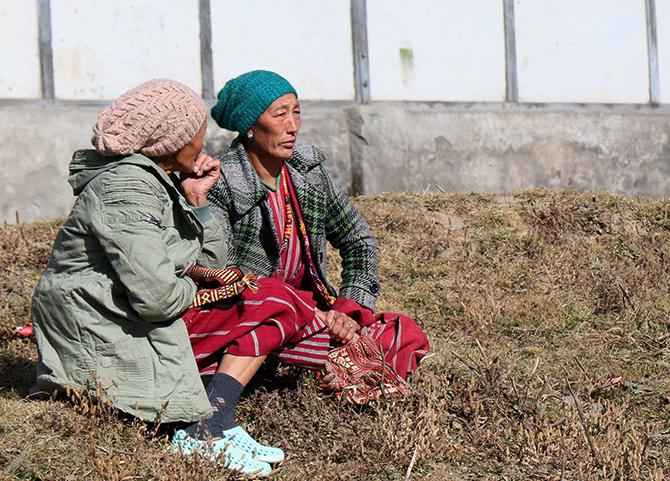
279,208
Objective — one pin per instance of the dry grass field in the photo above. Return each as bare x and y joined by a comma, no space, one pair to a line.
549,316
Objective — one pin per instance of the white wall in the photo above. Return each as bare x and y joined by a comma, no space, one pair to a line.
663,22
582,51
102,48
306,41
429,50
19,50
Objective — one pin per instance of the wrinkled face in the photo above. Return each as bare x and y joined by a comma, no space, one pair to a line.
185,157
275,131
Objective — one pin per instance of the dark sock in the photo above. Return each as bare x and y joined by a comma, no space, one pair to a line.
223,392
206,379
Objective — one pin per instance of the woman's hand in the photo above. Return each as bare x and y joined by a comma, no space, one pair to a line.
341,327
195,186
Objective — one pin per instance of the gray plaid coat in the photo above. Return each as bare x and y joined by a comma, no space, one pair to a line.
239,201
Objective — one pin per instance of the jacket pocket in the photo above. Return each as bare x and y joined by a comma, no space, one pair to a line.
124,369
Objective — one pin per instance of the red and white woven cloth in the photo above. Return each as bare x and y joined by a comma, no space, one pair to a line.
275,319
359,374
398,337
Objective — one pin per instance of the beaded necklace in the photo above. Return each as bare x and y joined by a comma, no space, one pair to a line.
288,225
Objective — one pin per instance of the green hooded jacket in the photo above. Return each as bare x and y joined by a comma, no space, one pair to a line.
107,308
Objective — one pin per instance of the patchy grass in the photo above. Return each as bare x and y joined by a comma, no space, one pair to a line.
549,316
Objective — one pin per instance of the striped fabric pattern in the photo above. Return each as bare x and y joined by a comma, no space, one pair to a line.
201,274
276,320
223,292
279,320
358,373
290,268
402,351
401,341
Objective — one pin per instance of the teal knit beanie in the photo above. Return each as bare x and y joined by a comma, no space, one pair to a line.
244,99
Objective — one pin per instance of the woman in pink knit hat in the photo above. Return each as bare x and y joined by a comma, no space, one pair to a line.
137,258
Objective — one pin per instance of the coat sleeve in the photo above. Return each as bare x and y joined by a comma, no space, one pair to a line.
128,229
348,232
219,206
214,248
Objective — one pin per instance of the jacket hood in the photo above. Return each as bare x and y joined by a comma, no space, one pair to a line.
86,165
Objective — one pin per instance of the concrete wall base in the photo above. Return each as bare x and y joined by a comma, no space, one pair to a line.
385,147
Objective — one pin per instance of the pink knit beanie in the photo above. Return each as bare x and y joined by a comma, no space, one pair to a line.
156,118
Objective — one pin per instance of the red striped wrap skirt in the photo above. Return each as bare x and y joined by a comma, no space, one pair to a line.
280,320
276,320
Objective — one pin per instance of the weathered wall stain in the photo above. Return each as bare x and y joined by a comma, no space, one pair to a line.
406,65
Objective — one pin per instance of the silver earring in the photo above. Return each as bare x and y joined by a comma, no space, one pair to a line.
250,135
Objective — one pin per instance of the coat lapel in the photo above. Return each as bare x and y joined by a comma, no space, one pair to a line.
300,163
240,175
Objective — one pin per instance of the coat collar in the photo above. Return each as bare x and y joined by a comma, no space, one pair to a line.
88,164
245,185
